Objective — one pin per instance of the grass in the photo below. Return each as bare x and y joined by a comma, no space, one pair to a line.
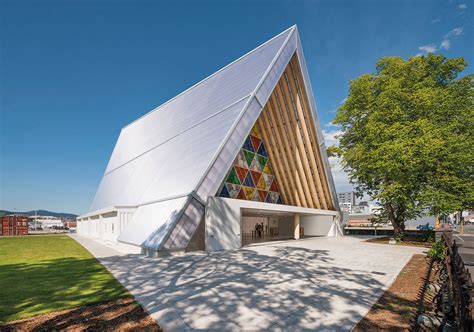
40,274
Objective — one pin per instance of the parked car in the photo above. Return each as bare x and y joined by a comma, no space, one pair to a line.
426,227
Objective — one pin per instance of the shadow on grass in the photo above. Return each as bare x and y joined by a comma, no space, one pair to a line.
50,285
117,315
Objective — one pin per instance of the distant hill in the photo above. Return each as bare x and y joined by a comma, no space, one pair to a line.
40,213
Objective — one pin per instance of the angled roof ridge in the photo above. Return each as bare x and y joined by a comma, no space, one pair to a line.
210,76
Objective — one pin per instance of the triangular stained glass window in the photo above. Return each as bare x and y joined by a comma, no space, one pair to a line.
248,182
255,142
261,151
232,177
241,172
248,145
224,192
255,176
262,185
233,190
255,166
251,176
249,157
248,192
263,161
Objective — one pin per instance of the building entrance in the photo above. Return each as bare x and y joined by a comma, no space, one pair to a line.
262,226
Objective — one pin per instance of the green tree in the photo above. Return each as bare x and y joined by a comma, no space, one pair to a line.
408,136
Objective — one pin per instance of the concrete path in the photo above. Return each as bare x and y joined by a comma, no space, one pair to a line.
320,283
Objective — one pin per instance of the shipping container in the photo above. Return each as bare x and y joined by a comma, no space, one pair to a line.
14,225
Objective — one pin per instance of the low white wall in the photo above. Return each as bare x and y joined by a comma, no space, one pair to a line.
222,225
317,225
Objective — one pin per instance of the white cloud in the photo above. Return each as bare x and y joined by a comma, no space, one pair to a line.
456,32
331,137
462,6
446,44
430,48
436,20
331,125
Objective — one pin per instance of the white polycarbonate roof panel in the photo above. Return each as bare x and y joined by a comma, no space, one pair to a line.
211,95
171,169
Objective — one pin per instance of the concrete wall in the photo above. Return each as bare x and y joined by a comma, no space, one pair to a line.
222,225
286,226
317,225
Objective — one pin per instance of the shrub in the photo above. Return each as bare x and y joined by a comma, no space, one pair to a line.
428,235
437,251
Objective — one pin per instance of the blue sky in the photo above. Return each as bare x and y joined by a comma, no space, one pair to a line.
73,73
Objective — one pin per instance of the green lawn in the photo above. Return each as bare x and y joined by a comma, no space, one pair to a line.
40,274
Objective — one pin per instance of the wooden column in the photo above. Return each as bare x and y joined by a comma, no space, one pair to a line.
291,149
303,156
296,224
304,128
299,79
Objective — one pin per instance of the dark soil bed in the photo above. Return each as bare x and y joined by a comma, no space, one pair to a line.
397,308
408,242
120,315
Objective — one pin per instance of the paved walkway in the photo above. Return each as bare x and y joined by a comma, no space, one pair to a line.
320,283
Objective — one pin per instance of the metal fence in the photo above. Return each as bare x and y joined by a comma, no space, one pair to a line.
460,284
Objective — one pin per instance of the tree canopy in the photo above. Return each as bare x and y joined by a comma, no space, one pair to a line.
408,136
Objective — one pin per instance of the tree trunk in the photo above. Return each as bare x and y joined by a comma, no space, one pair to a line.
398,229
398,225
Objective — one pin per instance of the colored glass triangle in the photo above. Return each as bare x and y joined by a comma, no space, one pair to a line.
268,199
241,172
232,177
262,185
255,166
263,161
267,169
248,181
255,142
279,200
249,157
255,176
274,186
262,194
262,151
273,197
255,132
248,145
224,192
233,190
256,196
248,192
240,160
268,180
241,194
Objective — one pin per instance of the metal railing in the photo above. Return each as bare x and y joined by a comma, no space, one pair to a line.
460,284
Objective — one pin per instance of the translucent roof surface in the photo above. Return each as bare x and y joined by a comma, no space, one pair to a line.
166,152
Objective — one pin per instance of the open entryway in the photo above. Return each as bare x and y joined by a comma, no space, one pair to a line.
262,226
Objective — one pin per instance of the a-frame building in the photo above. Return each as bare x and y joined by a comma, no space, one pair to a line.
237,158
